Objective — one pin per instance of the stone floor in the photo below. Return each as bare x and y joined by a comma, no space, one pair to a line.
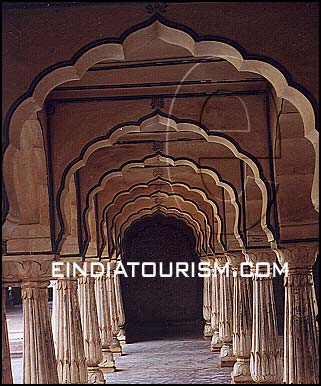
172,360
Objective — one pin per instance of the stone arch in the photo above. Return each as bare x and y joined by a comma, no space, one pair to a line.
177,197
200,192
155,28
162,159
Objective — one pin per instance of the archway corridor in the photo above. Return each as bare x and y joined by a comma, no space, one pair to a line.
160,184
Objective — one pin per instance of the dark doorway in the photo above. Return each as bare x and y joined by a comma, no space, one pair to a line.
161,307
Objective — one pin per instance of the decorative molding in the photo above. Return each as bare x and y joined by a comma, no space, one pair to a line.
153,8
157,102
158,146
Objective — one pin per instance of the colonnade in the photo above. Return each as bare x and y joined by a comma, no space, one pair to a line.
86,332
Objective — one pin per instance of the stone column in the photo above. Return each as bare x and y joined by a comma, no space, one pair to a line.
103,310
265,359
54,313
208,332
227,357
115,345
242,320
216,342
39,362
6,363
301,340
90,326
121,336
71,359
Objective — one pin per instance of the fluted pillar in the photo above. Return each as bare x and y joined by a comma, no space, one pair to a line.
208,332
227,357
216,342
301,340
6,363
121,336
54,313
71,359
39,362
103,310
265,359
90,326
242,320
115,345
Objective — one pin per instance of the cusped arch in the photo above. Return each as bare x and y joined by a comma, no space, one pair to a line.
170,184
133,204
161,159
166,210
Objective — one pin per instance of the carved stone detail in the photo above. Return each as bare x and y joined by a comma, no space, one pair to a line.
6,363
71,359
121,336
227,357
216,342
115,346
89,320
39,362
103,310
207,290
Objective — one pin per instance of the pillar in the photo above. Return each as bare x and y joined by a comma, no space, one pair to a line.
54,313
265,359
6,363
227,357
301,340
121,336
115,343
242,320
208,332
216,342
103,311
90,326
71,359
39,362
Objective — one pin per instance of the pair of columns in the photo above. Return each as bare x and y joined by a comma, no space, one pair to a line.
84,333
244,327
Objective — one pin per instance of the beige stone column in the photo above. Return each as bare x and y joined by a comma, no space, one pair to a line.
115,345
90,326
227,357
216,342
301,340
71,359
54,313
6,363
207,332
121,336
265,359
242,320
39,362
103,310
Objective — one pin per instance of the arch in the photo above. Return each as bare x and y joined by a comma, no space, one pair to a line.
200,192
142,34
160,158
166,210
117,217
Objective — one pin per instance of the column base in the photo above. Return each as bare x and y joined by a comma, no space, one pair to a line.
208,332
227,357
95,375
121,336
216,343
241,371
115,347
108,364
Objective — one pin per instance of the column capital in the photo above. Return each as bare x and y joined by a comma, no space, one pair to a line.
300,256
235,259
260,255
221,260
31,268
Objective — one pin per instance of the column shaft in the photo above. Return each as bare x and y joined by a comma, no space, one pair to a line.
70,343
115,343
120,310
216,342
103,311
6,362
208,332
39,362
90,326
